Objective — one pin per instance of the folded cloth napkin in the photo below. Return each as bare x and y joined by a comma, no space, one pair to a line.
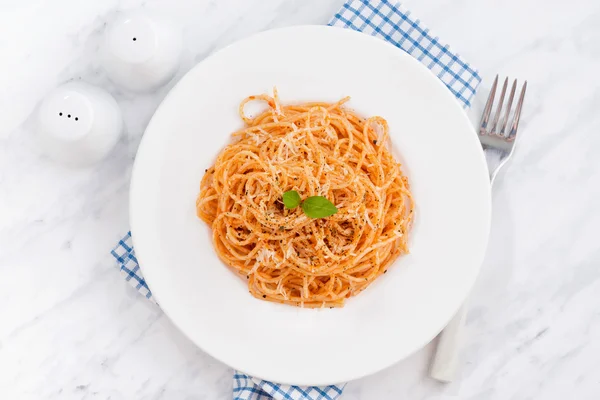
388,21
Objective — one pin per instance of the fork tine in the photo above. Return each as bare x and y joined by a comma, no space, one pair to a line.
488,108
515,124
508,107
499,108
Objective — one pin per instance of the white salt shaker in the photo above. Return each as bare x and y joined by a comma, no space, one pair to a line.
141,52
78,124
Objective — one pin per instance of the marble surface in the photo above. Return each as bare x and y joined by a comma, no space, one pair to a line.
71,328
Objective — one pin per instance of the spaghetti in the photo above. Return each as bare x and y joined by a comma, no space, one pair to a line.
316,149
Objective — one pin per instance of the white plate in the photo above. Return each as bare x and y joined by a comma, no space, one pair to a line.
402,310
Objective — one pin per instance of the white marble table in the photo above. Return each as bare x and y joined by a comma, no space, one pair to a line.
71,328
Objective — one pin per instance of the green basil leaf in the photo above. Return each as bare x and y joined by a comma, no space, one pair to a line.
318,207
291,199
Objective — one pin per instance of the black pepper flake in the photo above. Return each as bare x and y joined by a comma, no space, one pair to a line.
385,271
205,170
374,141
264,296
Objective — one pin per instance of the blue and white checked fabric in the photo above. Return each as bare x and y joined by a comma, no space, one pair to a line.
388,20
129,266
391,22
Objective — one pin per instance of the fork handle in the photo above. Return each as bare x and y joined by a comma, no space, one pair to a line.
446,357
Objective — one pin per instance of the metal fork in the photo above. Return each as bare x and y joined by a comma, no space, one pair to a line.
498,145
498,139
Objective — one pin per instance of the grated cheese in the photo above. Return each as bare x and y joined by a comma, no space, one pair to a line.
369,220
258,139
264,255
289,252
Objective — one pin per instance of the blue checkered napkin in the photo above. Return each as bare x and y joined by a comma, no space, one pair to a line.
129,266
390,22
247,388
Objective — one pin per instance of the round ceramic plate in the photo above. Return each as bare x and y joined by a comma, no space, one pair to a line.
401,311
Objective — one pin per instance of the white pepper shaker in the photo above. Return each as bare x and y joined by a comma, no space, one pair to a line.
141,52
78,124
